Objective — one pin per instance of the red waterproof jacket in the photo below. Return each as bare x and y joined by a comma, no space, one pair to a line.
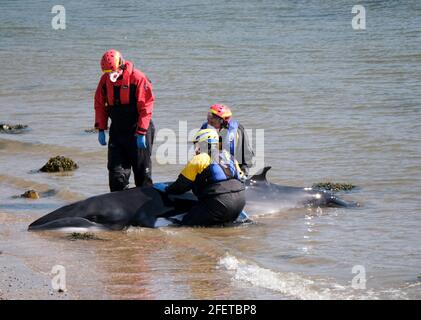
143,95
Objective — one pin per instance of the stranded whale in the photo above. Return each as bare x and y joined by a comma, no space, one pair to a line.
143,206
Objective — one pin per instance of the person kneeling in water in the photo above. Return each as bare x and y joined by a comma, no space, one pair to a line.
215,178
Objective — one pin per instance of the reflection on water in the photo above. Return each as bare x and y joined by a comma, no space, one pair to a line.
335,105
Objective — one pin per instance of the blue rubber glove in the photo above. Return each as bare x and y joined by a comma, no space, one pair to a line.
101,138
141,141
160,186
242,217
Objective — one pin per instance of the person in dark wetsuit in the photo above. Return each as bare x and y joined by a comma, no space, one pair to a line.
215,178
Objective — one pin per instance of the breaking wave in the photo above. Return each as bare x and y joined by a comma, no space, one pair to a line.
296,286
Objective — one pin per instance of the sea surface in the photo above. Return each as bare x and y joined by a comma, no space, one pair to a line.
334,103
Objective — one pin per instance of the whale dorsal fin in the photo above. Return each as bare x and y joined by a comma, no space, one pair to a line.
261,176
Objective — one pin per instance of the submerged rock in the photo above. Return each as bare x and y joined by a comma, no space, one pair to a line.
91,130
11,128
33,194
48,193
59,164
30,194
333,186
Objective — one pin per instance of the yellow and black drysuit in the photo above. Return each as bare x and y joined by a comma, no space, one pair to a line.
218,186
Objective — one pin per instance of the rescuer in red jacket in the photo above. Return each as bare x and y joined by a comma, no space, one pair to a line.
124,94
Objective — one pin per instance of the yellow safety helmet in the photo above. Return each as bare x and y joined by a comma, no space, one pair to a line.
206,135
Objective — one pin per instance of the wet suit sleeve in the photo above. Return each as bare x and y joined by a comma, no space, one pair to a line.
179,186
244,152
101,114
145,103
187,177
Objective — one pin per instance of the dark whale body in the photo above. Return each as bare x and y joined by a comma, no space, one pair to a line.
142,206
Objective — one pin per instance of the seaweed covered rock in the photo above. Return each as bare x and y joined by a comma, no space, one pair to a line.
59,164
10,128
30,194
333,186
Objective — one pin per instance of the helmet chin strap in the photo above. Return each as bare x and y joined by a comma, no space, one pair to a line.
200,147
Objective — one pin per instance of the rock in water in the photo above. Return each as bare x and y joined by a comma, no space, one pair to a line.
30,194
59,164
10,128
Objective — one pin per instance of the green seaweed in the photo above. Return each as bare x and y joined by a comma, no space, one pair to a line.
83,236
59,164
334,186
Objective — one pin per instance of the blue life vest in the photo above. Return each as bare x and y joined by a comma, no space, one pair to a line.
225,169
209,180
228,140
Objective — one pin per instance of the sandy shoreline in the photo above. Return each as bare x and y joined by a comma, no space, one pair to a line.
18,278
136,264
27,259
18,281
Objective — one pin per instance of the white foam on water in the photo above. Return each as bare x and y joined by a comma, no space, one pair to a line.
134,230
296,286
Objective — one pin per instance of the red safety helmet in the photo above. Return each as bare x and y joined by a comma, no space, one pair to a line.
111,61
221,111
